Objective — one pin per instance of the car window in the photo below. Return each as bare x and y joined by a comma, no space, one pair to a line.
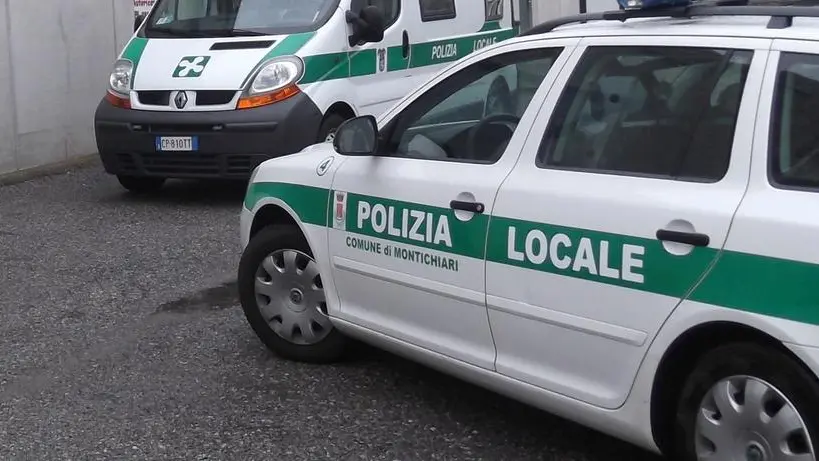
794,134
436,10
445,122
664,112
494,10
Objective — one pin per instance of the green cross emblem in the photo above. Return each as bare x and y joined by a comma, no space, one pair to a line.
191,66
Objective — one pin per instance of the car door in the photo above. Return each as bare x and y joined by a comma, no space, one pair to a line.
380,71
410,225
447,30
620,203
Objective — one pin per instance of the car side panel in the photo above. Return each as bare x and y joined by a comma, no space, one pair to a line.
771,261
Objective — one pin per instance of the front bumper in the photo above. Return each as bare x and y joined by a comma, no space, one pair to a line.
230,143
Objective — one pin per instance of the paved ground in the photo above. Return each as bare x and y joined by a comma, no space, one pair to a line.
121,339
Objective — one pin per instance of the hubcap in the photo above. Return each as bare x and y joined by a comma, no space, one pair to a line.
291,298
743,418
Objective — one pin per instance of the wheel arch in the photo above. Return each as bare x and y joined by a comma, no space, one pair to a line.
341,108
679,360
274,211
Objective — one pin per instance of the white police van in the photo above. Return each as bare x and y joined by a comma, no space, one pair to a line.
624,235
211,88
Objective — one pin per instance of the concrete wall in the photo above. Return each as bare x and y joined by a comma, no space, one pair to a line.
55,58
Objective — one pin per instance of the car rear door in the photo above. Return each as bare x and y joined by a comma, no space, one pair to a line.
620,203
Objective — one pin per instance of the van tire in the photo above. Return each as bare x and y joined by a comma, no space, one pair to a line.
268,241
785,376
141,184
329,126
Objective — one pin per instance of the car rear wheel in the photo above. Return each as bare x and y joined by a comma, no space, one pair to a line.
282,295
750,403
141,185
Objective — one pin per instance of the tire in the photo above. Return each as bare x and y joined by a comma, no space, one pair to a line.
305,334
329,126
141,185
786,382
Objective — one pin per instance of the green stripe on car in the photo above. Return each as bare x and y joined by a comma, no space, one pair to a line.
302,199
753,283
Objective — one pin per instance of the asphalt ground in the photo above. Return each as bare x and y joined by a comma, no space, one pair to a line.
121,338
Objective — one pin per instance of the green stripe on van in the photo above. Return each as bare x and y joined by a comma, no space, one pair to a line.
332,66
289,45
442,51
490,25
133,52
752,283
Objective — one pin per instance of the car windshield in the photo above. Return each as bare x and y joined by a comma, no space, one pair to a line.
228,18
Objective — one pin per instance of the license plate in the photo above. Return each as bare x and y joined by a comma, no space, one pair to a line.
177,143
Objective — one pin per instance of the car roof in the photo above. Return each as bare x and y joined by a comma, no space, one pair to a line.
715,21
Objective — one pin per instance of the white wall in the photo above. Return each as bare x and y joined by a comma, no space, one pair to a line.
55,57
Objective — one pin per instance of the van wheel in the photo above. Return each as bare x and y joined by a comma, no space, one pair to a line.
141,185
328,128
283,298
748,402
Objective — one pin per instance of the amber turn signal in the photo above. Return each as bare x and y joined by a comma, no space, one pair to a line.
268,98
118,101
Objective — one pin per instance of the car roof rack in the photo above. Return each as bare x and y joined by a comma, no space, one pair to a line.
781,14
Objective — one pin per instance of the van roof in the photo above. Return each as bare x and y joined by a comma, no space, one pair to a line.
753,21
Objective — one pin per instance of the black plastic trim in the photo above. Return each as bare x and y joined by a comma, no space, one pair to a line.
472,207
243,45
687,238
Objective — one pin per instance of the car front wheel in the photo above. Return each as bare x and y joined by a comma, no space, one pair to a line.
282,295
748,402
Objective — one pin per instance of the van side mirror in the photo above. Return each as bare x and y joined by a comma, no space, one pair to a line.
368,25
357,137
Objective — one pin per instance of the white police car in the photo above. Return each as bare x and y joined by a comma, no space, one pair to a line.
620,230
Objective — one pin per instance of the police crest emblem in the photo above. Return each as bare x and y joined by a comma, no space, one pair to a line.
340,210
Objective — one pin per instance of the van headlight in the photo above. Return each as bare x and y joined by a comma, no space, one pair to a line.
120,79
273,82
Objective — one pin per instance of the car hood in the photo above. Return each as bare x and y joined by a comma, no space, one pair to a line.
191,64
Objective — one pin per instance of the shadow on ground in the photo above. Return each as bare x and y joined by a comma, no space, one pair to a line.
188,192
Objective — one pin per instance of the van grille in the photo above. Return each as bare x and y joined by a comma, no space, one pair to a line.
203,97
214,97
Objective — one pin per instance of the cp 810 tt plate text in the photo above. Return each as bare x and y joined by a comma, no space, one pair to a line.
177,143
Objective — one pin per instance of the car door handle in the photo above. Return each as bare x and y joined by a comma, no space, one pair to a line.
405,45
688,238
472,207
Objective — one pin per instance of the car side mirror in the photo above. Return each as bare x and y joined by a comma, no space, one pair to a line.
367,25
357,137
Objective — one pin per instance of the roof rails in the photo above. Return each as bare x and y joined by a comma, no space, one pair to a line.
781,15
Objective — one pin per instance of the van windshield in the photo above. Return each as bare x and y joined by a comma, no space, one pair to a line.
229,18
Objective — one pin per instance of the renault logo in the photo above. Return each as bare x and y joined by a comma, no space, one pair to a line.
181,100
